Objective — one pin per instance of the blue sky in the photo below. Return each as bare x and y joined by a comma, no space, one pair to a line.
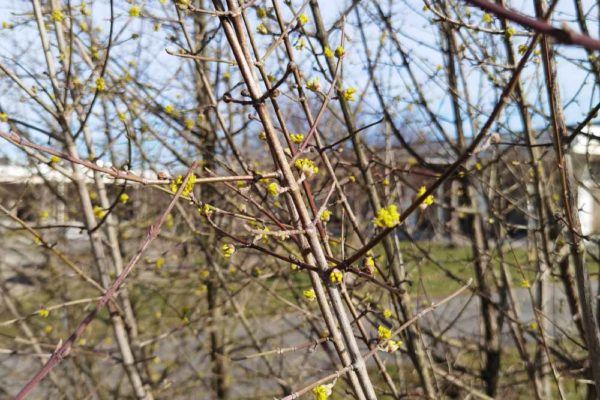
417,33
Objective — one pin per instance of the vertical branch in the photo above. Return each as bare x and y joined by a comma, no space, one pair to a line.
569,202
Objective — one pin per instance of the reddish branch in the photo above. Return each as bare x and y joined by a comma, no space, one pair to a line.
125,175
65,348
562,35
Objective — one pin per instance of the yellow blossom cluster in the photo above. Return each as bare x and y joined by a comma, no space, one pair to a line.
533,326
313,85
227,250
188,124
306,166
206,210
392,345
134,11
297,137
85,10
261,12
263,236
182,4
336,277
369,264
57,15
100,84
325,215
189,186
348,94
383,333
302,19
428,200
262,29
309,295
387,217
99,212
322,392
273,189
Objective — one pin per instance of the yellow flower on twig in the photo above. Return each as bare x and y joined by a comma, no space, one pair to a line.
309,295
262,29
100,84
189,186
99,212
302,19
83,9
261,12
392,345
273,189
383,333
57,15
336,277
134,11
206,210
348,94
322,392
387,217
227,250
369,264
428,200
325,215
297,137
313,85
306,166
